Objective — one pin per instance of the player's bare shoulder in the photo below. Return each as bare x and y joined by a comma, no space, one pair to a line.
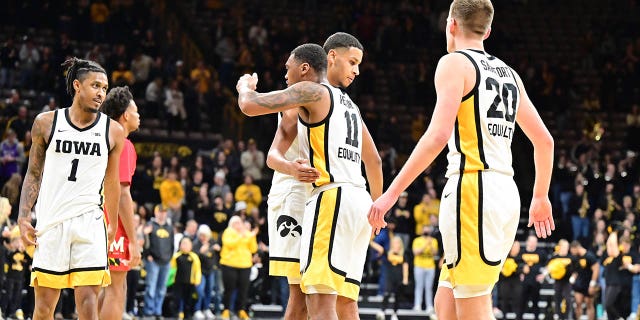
308,92
42,125
116,134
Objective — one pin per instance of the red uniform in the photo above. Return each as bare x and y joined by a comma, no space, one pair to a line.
119,249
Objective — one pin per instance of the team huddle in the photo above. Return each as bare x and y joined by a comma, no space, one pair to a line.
322,209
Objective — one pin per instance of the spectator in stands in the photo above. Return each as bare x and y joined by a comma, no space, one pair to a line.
158,252
402,214
258,34
122,76
619,267
20,123
633,128
191,230
154,97
560,269
510,282
220,186
192,193
252,160
174,103
249,192
17,265
578,210
209,252
171,196
379,246
238,246
201,78
425,249
397,276
226,52
11,156
11,191
51,105
9,55
99,18
584,279
423,211
12,104
534,259
221,215
95,54
29,59
187,277
245,63
140,67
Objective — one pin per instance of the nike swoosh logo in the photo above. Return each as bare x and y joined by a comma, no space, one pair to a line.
448,194
62,130
98,218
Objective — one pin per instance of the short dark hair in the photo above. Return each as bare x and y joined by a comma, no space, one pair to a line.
312,54
341,40
117,102
77,69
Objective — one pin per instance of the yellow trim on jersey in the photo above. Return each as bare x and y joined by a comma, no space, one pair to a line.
468,135
471,268
288,269
70,280
319,272
317,135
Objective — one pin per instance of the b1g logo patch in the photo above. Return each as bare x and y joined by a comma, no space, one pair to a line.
288,225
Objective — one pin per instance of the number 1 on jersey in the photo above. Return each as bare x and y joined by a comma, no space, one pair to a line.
351,117
74,169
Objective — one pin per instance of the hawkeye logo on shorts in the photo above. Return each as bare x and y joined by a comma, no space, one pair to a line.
288,225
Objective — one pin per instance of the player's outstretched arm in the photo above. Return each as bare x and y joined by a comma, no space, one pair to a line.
253,103
112,178
540,216
31,186
449,83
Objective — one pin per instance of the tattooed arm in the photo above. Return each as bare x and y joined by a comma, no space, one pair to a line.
31,187
301,94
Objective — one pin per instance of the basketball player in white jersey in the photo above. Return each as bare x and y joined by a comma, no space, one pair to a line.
72,173
334,139
291,184
479,99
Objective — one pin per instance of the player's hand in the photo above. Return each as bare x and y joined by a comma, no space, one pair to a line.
247,81
134,255
378,210
111,233
540,216
27,232
303,172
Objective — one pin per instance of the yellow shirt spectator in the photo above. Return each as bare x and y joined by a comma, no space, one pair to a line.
423,211
171,192
249,193
425,250
238,245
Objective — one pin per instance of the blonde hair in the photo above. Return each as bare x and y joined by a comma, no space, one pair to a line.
475,16
398,240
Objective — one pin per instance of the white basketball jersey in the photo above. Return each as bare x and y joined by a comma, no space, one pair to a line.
74,170
284,183
334,145
485,123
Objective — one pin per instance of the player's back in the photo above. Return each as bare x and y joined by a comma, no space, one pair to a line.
74,169
486,119
334,145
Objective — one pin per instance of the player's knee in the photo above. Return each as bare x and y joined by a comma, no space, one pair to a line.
44,309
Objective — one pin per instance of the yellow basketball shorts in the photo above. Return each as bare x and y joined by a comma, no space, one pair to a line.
335,241
479,214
